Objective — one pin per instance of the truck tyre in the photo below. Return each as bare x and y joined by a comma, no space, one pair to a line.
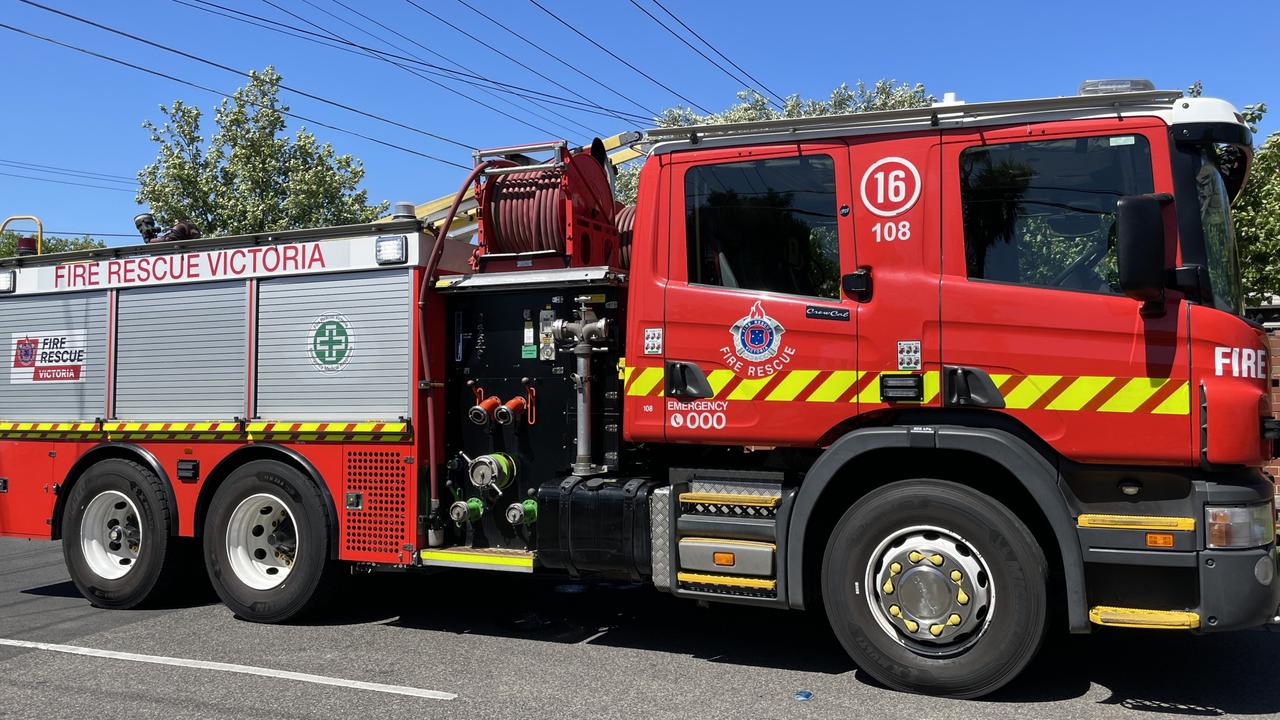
935,588
115,535
266,543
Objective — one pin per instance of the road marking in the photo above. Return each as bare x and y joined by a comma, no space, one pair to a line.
228,667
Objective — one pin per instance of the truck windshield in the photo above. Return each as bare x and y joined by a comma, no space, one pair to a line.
1219,235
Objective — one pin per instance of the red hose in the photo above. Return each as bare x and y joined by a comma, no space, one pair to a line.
626,220
424,342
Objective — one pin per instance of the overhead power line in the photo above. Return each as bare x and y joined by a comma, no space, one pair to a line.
241,73
652,113
344,39
354,48
85,173
229,96
551,80
91,234
694,48
714,49
613,55
65,182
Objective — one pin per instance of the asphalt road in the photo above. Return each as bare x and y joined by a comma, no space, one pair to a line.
524,647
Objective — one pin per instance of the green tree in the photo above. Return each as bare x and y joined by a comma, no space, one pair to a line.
752,106
250,176
9,242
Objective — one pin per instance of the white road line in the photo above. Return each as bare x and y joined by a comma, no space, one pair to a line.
228,667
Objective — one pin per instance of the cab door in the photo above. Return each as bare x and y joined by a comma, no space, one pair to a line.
1030,294
760,341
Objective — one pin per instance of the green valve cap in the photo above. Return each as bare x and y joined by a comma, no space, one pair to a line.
522,513
466,510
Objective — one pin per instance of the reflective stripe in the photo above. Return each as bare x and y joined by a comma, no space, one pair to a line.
1027,392
1079,393
645,381
793,383
834,386
718,379
748,389
1179,403
1132,395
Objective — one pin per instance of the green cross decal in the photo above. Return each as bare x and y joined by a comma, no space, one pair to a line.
330,343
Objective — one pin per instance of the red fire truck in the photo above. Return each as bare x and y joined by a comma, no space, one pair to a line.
955,375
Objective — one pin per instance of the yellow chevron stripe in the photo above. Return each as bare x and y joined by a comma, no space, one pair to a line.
748,389
869,393
932,385
792,385
1179,403
626,375
1079,393
645,381
999,380
1132,395
834,386
1029,390
718,379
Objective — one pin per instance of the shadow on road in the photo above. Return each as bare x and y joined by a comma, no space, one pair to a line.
1165,672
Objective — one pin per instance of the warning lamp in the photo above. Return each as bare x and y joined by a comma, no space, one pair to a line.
8,281
1160,540
1121,85
391,250
723,559
26,245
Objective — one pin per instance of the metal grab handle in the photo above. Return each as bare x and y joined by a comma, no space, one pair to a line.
32,218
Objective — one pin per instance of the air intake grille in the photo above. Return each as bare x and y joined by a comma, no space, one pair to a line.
381,523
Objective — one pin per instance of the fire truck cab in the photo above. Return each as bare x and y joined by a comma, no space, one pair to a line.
956,375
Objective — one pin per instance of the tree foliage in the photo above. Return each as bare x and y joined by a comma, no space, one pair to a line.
249,176
9,243
752,106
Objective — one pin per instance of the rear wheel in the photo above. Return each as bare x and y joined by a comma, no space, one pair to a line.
933,587
115,535
266,542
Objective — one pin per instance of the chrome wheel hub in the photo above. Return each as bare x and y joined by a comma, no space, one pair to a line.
929,589
262,541
110,535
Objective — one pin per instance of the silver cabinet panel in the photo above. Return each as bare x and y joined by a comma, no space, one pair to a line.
335,347
182,352
56,362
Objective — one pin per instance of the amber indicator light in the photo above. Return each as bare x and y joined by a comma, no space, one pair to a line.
1160,540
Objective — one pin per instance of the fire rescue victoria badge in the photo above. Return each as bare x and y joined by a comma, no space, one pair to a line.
757,336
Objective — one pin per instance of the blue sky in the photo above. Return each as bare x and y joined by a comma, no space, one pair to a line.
71,111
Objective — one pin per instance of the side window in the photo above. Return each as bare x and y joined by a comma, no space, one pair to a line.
764,225
1043,213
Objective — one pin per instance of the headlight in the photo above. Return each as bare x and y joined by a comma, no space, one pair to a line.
8,281
1240,527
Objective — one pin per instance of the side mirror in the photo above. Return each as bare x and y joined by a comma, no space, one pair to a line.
1140,247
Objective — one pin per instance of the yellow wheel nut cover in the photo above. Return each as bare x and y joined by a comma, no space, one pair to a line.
936,630
895,611
887,587
956,576
962,597
912,625
915,557
895,568
936,560
954,619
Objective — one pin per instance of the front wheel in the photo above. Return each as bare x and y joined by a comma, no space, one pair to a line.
933,587
266,543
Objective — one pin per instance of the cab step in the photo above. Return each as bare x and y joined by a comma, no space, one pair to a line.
502,559
1140,618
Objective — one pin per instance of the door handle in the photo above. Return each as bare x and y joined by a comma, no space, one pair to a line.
857,284
686,380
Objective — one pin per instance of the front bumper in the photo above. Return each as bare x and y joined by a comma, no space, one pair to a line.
1225,589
